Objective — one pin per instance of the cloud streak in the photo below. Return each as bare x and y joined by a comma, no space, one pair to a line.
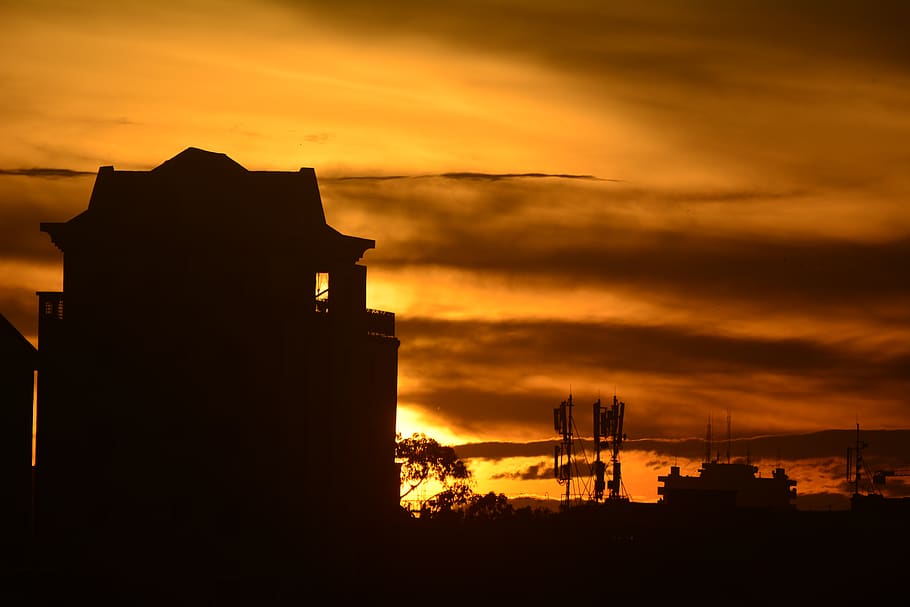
479,375
470,175
887,448
46,173
617,239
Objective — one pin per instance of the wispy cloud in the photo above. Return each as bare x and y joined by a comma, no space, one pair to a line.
46,173
470,175
535,472
498,176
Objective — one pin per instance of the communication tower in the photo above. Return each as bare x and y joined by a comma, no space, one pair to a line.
562,453
856,464
609,435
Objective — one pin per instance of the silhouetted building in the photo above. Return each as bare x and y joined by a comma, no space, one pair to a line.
18,362
727,486
216,371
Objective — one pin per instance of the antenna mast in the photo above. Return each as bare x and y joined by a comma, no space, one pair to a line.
708,445
599,466
855,461
562,453
608,424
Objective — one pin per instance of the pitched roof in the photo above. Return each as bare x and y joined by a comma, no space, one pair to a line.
198,161
204,192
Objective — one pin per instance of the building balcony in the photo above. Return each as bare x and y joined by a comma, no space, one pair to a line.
380,323
50,305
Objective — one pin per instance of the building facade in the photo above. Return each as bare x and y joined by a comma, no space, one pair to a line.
216,371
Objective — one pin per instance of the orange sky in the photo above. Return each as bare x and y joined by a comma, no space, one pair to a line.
701,210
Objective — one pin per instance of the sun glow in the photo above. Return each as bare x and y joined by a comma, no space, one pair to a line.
410,421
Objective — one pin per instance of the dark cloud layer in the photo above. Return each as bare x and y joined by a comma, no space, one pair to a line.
748,268
578,35
471,373
649,349
561,232
559,235
886,449
498,176
467,175
46,173
601,236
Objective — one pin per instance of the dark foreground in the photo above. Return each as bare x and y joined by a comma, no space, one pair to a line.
629,552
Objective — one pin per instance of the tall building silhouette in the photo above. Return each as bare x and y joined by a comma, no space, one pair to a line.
215,371
18,362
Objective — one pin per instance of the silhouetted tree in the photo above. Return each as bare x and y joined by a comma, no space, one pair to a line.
423,459
448,504
488,507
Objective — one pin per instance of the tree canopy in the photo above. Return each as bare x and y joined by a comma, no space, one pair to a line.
422,460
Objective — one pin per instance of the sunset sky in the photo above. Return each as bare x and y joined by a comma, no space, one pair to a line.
699,207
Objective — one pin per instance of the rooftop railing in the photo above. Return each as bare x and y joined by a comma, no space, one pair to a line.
380,322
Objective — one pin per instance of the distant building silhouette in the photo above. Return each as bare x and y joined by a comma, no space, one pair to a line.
216,371
18,362
724,486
